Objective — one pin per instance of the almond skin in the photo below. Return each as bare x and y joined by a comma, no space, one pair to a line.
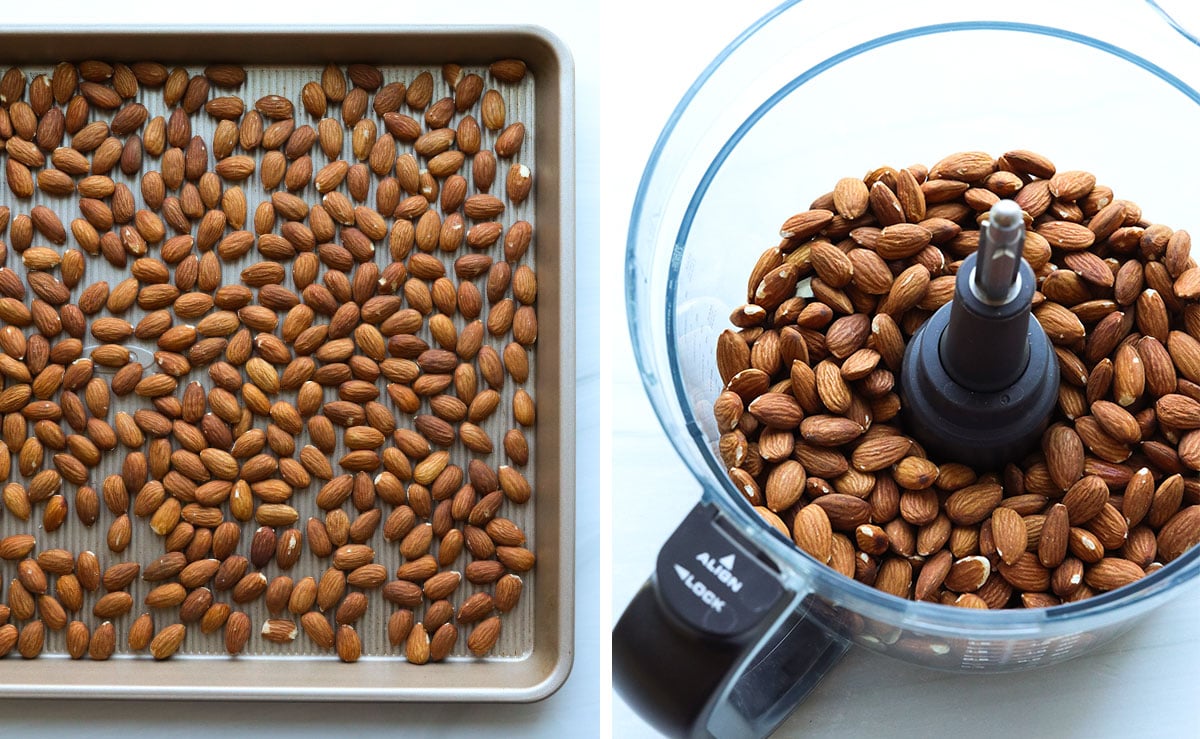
1026,574
348,645
1180,533
813,533
1008,533
484,636
318,629
974,503
968,574
1111,573
167,641
103,642
237,632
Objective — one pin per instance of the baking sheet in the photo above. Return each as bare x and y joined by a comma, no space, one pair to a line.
533,653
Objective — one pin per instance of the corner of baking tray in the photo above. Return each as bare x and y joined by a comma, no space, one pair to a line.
562,53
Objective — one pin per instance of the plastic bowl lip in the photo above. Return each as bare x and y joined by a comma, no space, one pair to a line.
1170,21
928,614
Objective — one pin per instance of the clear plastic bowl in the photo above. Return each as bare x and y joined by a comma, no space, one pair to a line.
821,89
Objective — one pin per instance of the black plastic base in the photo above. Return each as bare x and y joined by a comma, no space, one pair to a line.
984,430
734,665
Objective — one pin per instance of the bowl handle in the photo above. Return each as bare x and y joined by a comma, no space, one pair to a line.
714,644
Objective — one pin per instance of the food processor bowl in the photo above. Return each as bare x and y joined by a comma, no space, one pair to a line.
736,624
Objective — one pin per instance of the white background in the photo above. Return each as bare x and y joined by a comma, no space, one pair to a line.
1144,683
574,710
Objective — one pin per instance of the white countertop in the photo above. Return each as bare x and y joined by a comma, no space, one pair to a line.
575,709
1144,682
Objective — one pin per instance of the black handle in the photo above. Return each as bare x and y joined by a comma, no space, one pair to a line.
713,645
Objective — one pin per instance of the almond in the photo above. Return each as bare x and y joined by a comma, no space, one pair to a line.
31,639
895,577
813,532
167,641
880,452
519,184
1116,421
1008,533
511,71
850,196
848,334
784,486
103,642
279,630
16,546
141,631
1026,574
1064,455
970,166
974,503
845,512
776,410
1111,573
1055,536
1179,534
1178,411
484,636
237,632
318,629
804,225
1086,499
933,574
902,240
508,592
1066,235
824,430
1109,527
1166,501
348,645
1060,325
968,574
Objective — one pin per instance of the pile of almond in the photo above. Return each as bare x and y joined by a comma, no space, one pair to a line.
338,348
809,414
